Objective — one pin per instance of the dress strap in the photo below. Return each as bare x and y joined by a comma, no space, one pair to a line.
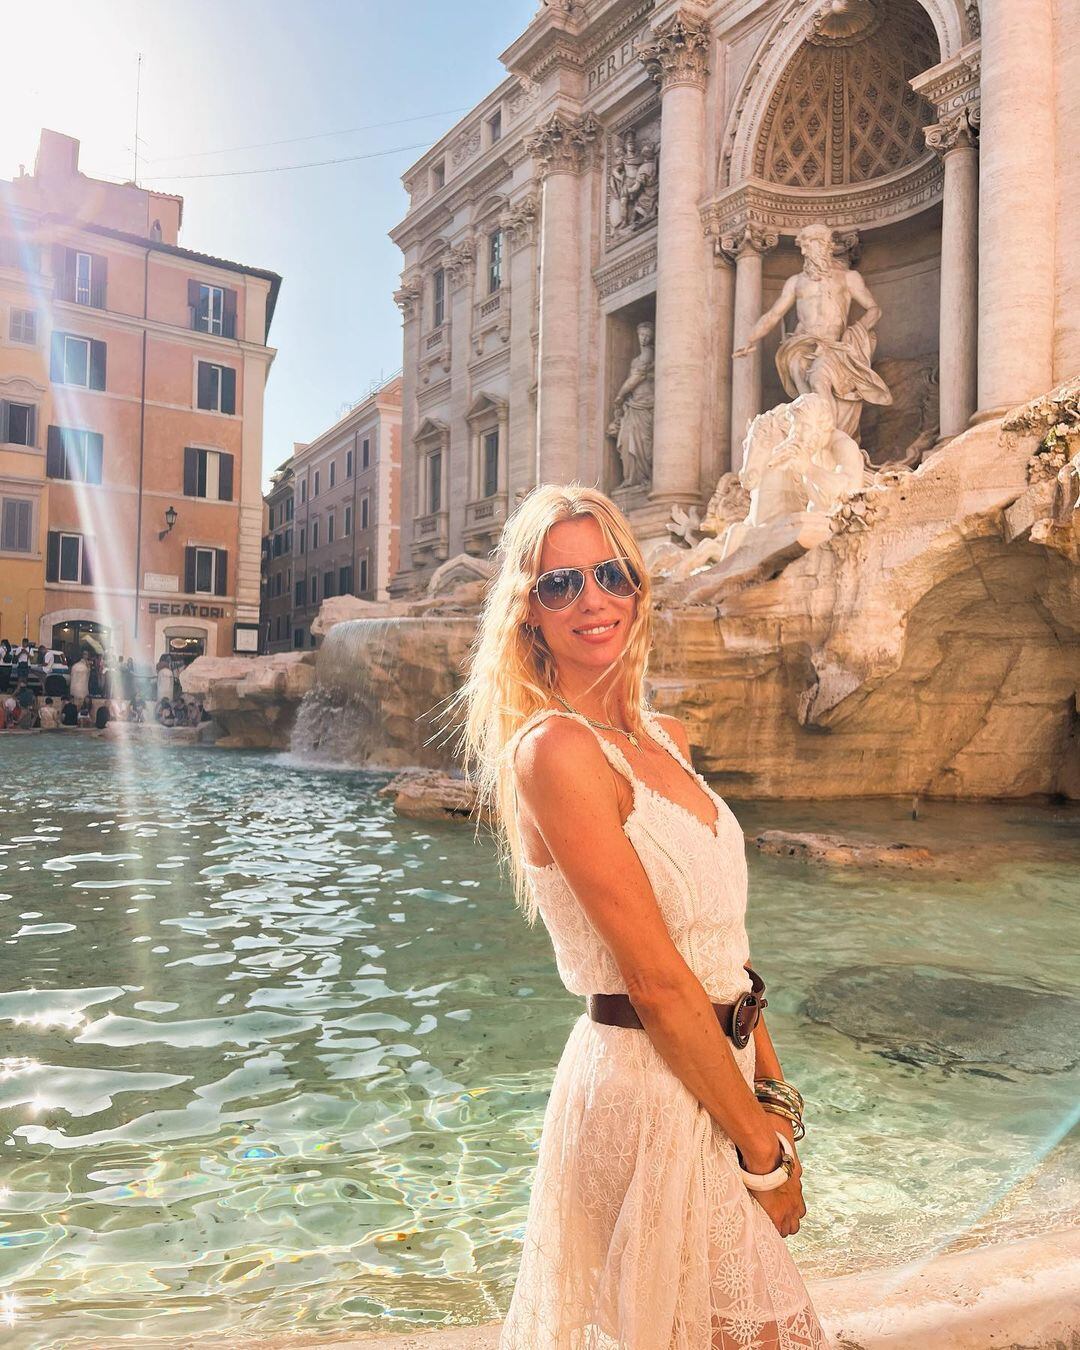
666,739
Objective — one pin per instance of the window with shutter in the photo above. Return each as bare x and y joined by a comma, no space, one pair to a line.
365,511
204,571
18,423
71,360
215,388
228,328
23,326
438,297
74,454
490,468
84,265
16,518
70,558
52,557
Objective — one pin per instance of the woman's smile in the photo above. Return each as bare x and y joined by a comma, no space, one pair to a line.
597,632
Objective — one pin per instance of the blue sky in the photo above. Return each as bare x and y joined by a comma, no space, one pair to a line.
222,74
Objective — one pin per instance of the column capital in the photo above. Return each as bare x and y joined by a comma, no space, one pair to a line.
561,144
519,221
959,130
742,240
459,261
677,51
407,298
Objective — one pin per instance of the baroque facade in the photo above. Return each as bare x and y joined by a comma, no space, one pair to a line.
602,233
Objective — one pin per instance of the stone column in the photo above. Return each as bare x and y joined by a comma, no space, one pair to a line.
676,57
746,247
954,138
561,148
520,223
409,299
1016,204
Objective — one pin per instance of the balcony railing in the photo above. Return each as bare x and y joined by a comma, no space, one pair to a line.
431,536
485,513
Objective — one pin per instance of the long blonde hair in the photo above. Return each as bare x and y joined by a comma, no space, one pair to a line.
511,672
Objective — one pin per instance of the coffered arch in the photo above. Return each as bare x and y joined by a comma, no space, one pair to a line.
782,66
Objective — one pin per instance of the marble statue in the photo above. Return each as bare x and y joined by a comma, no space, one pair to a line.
796,461
632,415
827,354
634,182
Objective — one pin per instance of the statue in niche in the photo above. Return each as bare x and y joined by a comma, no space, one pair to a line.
826,354
635,186
632,415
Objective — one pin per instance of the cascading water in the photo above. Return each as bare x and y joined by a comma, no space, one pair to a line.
379,687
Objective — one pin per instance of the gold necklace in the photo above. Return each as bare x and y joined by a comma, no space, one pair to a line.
604,726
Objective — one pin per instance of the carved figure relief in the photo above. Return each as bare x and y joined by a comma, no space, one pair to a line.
633,180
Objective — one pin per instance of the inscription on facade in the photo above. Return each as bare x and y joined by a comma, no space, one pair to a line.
613,61
186,611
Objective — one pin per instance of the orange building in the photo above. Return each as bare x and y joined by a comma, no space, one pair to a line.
132,375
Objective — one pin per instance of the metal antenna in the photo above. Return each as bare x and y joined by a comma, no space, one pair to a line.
138,90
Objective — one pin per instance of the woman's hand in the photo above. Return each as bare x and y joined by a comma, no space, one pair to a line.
784,1205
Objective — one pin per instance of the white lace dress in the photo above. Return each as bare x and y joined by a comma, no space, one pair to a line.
640,1234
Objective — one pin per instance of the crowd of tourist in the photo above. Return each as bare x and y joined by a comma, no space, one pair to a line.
99,689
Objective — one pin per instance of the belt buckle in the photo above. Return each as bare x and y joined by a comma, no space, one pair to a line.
740,1038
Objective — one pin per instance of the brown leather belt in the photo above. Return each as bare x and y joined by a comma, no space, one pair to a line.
737,1019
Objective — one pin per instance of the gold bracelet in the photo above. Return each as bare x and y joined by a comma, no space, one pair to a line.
798,1128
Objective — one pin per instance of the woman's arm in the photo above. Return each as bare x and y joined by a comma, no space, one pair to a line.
566,787
766,1060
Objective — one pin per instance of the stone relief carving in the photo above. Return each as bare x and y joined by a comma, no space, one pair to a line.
631,423
466,145
562,144
678,51
633,180
525,97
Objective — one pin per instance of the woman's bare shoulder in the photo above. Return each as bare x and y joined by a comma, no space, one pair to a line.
552,743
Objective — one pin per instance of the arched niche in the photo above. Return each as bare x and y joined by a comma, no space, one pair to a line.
953,23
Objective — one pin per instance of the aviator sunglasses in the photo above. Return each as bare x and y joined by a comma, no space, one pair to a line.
562,585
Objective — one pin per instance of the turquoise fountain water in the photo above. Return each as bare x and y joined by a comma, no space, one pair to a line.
272,1060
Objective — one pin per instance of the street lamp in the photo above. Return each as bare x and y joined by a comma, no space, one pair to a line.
170,521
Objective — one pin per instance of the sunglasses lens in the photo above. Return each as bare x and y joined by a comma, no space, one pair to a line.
556,590
617,577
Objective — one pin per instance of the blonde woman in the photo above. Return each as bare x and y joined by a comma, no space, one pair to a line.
648,1226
